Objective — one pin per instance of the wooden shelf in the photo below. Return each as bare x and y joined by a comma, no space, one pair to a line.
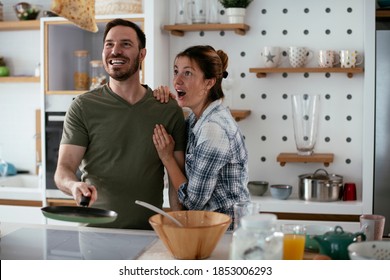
383,13
65,92
262,72
283,158
60,202
180,29
18,202
20,79
238,115
19,25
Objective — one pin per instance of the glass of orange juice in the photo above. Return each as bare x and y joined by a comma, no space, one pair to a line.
294,241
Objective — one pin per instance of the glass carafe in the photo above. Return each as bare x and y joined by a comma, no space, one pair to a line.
305,112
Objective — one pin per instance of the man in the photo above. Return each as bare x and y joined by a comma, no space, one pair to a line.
108,135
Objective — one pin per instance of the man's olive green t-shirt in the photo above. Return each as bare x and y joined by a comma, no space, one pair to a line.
121,160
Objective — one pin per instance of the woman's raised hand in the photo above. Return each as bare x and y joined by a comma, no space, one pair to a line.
163,94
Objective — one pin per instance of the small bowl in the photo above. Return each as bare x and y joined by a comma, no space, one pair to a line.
198,237
314,230
281,191
26,11
257,187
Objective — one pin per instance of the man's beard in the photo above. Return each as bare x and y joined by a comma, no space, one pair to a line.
122,76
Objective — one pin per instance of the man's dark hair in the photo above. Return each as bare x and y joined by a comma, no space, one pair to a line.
140,34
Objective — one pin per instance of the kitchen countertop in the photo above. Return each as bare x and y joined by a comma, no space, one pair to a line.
268,203
26,241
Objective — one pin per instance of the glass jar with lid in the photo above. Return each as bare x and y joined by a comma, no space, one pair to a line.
98,74
80,74
257,239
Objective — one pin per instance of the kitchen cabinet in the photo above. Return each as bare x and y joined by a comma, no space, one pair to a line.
21,214
60,38
180,29
8,26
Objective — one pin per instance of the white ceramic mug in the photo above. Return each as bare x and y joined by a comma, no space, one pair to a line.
350,58
372,226
183,12
272,57
198,11
328,58
299,56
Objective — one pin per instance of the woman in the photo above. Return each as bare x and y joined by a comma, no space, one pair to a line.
216,166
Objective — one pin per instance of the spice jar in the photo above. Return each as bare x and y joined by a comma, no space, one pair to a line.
80,74
98,75
257,239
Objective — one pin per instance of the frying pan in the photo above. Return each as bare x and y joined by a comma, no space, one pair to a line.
79,214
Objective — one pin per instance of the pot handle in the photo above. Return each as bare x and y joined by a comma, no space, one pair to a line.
320,169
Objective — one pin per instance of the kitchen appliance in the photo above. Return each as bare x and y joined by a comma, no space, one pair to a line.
54,123
73,244
381,197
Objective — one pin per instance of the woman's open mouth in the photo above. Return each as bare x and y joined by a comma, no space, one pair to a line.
181,93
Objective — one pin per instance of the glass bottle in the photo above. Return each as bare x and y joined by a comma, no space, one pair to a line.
98,75
80,74
257,239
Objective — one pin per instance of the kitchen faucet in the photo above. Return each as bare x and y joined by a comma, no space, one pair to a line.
3,168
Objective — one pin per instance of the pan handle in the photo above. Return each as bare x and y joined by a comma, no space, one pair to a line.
85,200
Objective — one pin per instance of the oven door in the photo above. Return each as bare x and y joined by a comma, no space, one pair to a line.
53,133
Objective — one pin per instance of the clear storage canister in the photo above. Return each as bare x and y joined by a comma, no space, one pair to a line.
98,75
80,75
257,239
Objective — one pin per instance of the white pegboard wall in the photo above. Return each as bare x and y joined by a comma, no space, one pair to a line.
319,24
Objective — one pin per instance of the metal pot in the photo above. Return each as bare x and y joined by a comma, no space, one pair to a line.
320,186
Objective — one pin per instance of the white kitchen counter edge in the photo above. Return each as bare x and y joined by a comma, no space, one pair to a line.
295,205
157,250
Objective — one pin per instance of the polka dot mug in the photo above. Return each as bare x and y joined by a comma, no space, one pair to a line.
299,56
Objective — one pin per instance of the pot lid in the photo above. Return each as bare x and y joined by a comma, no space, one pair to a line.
322,174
